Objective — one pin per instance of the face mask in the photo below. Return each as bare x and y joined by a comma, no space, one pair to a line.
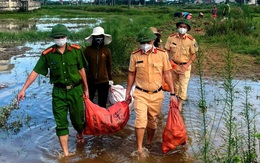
60,42
146,47
99,40
182,30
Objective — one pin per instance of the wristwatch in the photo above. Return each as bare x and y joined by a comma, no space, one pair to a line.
172,94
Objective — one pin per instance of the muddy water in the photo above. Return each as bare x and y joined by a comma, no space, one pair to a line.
38,142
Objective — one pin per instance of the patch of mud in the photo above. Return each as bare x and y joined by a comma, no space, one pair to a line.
6,52
3,86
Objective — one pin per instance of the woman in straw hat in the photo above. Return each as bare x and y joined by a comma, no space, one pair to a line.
99,65
157,42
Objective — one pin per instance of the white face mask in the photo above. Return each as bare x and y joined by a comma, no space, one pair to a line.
182,30
146,47
61,41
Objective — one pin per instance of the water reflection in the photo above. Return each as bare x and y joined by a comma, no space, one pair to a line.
14,26
46,23
74,24
5,65
38,143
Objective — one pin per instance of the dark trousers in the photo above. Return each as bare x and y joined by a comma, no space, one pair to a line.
102,90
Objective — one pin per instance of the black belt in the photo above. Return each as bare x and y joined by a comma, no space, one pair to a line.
150,92
180,63
68,87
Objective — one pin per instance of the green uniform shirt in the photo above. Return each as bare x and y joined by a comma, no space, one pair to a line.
63,68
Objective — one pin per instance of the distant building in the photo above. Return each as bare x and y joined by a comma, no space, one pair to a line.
15,5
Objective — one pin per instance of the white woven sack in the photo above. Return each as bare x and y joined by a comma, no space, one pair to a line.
116,93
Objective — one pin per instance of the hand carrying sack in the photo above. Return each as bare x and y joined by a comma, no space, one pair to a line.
105,121
174,133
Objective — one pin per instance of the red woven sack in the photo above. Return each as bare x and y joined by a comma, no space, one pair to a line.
174,133
105,121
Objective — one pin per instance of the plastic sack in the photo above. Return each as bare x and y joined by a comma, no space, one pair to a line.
116,93
105,121
174,133
165,86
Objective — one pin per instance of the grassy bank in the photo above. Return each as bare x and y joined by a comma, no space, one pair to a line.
237,34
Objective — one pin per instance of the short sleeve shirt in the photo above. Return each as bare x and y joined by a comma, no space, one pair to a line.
63,68
149,68
181,48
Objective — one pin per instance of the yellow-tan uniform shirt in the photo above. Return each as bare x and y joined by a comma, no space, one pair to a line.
149,68
181,49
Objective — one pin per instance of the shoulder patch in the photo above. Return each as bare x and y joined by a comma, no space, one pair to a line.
160,49
136,51
190,37
46,51
75,46
173,35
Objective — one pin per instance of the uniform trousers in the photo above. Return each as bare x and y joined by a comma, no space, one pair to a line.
68,101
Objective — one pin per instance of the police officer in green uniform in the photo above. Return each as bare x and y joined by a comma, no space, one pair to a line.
66,63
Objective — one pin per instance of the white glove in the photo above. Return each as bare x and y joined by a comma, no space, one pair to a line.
110,82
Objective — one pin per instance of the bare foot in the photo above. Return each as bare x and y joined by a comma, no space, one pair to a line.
65,156
80,138
143,153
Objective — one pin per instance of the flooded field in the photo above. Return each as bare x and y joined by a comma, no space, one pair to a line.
45,23
34,139
37,141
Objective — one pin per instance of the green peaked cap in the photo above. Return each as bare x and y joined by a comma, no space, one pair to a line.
145,35
183,21
59,30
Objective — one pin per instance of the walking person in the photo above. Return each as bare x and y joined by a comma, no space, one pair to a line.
226,11
181,48
65,63
157,42
214,11
147,65
99,65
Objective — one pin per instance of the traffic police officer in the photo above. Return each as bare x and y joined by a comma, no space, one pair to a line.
181,48
147,65
66,63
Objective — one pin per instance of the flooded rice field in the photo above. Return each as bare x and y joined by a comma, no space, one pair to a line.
45,23
36,141
31,137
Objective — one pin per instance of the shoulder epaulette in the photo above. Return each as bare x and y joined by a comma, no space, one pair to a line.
160,49
190,37
46,51
75,46
136,51
174,34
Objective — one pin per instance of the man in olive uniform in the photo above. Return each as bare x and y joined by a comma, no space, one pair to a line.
147,65
226,11
65,62
181,48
